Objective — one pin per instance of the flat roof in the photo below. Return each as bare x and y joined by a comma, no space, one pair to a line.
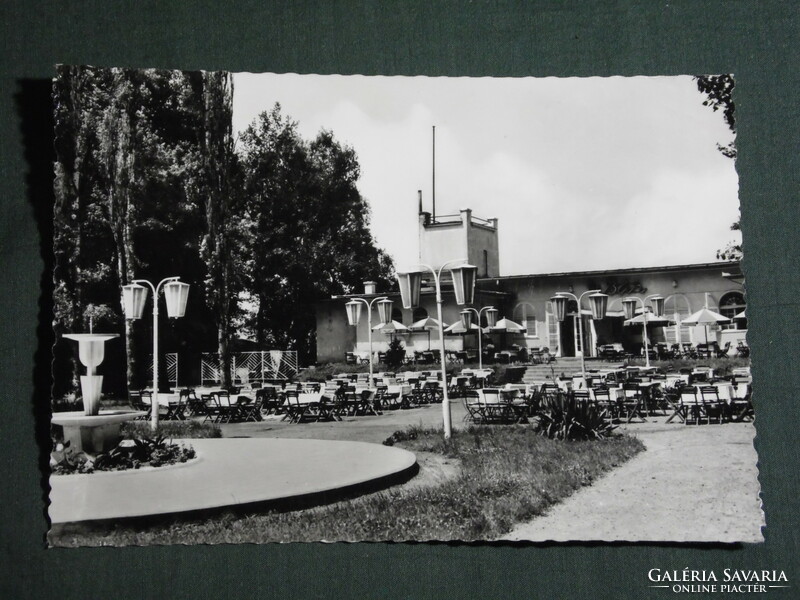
670,268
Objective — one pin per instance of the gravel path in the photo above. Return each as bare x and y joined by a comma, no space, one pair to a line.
693,483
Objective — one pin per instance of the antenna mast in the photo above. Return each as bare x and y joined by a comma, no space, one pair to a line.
433,194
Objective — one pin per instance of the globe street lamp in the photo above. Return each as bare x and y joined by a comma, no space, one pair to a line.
598,303
491,321
134,297
629,304
353,309
410,283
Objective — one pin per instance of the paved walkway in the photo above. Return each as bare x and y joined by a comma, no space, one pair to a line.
226,472
692,483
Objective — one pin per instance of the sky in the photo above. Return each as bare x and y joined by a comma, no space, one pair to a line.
582,173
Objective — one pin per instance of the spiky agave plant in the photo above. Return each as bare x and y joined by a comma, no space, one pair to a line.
561,416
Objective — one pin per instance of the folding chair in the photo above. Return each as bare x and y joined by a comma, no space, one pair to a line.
632,401
712,405
692,405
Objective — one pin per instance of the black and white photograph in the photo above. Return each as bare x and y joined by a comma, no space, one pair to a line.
303,308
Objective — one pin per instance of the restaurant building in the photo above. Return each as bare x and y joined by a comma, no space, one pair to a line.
525,299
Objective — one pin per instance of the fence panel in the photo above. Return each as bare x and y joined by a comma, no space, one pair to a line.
170,363
251,367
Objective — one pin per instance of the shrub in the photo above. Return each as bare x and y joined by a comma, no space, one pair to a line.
396,354
564,418
129,454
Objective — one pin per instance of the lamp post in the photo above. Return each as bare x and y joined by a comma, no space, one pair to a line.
353,309
629,304
410,283
491,321
598,303
134,297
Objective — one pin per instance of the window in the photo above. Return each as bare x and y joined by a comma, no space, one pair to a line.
397,315
485,263
730,305
526,316
677,307
552,328
419,314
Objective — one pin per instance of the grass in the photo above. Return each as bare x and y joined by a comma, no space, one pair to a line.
188,429
506,476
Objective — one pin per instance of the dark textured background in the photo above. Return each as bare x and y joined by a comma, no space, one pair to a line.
757,41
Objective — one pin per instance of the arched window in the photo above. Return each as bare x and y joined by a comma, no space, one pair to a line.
397,315
677,307
419,314
730,305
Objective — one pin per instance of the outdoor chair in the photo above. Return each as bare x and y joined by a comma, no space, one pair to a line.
723,352
712,405
741,407
211,408
433,392
743,349
225,410
602,399
194,405
632,401
691,405
295,410
176,412
581,396
494,408
350,358
135,398
249,409
472,402
270,401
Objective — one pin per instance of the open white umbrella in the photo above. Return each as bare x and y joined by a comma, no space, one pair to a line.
427,324
391,328
456,328
705,317
741,315
651,320
507,325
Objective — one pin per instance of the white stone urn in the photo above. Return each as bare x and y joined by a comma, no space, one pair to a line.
91,350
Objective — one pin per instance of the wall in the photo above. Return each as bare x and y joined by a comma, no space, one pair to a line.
334,335
459,236
684,288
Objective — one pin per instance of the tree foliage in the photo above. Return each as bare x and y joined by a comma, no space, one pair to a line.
149,183
308,229
126,206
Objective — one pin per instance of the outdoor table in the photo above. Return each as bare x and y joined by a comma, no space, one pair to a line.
501,404
172,402
615,394
307,404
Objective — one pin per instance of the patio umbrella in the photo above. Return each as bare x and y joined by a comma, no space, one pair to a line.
457,328
427,324
741,315
504,326
705,317
507,325
391,328
651,320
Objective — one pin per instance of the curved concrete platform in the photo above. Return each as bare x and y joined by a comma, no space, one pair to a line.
231,473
